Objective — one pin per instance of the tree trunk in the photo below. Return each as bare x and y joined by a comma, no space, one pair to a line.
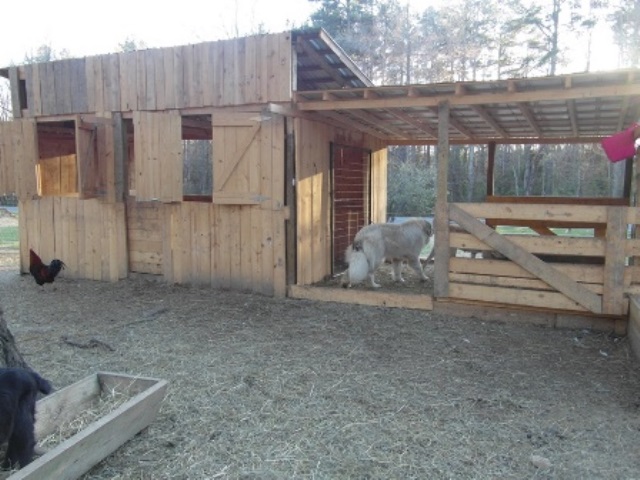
10,355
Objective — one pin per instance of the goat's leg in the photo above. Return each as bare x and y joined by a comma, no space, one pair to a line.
417,267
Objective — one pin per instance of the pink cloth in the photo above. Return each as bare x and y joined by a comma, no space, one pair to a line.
620,146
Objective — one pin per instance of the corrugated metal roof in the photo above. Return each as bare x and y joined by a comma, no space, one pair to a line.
575,108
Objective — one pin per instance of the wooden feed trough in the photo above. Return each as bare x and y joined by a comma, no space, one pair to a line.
76,455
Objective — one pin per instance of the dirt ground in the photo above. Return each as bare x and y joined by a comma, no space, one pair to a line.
264,388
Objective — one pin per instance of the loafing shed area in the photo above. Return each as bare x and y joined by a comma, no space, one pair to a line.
299,142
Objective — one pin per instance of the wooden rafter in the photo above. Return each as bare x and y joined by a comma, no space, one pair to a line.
531,119
482,112
420,125
357,99
340,119
573,118
571,109
321,61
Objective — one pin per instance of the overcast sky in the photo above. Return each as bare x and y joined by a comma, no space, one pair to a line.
88,27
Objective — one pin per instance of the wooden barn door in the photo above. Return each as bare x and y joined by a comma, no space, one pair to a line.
350,167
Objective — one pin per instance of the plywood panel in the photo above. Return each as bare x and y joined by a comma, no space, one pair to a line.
160,89
111,82
217,252
8,158
24,151
170,86
230,70
78,86
86,235
201,241
92,89
144,234
195,78
128,81
279,69
206,72
158,154
69,241
273,241
219,76
512,296
312,185
178,77
224,245
34,97
62,80
48,89
613,298
234,244
251,87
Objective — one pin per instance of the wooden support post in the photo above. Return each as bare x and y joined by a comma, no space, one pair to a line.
290,200
441,243
613,293
14,86
491,161
120,157
628,179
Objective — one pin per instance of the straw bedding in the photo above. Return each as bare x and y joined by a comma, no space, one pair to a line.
264,388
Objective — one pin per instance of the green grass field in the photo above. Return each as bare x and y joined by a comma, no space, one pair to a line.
563,232
9,237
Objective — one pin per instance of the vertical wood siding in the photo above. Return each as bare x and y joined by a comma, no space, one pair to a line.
223,73
87,235
18,158
313,176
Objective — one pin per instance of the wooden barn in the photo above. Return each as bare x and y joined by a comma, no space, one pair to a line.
297,163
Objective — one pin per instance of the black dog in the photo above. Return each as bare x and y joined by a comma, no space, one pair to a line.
18,393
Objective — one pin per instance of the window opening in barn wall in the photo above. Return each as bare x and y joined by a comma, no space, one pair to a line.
351,197
57,169
69,163
197,154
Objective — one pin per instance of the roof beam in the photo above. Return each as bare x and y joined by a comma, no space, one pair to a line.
468,99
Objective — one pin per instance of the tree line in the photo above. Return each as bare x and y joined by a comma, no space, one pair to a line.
462,40
468,40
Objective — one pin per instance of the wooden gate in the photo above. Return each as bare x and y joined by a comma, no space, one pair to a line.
527,270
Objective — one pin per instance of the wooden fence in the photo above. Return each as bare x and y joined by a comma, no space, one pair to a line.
546,268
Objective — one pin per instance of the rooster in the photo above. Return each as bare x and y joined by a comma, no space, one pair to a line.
41,272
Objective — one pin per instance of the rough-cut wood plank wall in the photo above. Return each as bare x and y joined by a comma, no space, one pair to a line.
7,158
313,177
232,245
158,156
378,181
312,190
227,246
88,235
222,73
145,236
19,154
